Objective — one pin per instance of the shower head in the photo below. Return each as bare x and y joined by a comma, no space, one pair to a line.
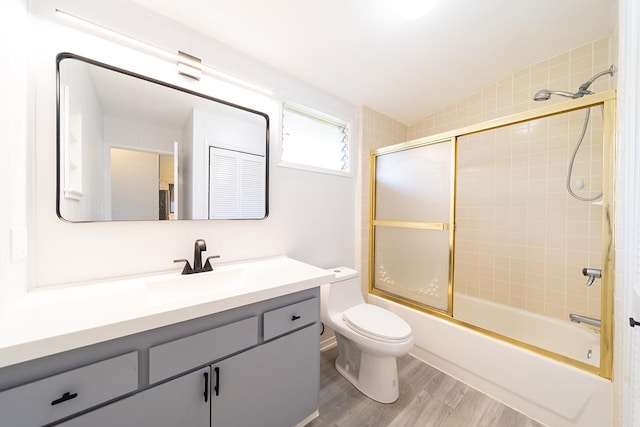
543,95
583,90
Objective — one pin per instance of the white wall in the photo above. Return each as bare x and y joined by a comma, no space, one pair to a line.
82,96
124,133
14,36
311,215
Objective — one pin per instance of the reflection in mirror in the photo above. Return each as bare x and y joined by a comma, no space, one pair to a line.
134,148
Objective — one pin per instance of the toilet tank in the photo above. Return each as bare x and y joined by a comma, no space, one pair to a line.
343,292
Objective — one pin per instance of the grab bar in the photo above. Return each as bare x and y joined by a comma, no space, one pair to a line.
584,319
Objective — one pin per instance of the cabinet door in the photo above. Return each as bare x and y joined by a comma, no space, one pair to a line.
180,402
274,385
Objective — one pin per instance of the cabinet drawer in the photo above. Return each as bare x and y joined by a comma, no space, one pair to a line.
286,319
61,395
175,357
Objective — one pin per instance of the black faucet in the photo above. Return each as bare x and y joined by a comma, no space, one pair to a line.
199,247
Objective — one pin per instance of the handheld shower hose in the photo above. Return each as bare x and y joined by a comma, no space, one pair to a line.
544,95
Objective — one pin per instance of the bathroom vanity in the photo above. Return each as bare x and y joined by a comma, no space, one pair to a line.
238,346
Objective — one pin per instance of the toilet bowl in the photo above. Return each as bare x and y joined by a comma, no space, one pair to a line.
369,337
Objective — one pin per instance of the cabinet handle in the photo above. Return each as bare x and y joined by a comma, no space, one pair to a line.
64,398
206,387
294,318
216,388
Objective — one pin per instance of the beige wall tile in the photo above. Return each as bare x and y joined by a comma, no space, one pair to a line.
577,304
582,51
518,302
555,311
517,227
535,306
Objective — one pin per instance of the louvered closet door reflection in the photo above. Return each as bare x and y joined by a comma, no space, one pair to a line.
236,184
412,224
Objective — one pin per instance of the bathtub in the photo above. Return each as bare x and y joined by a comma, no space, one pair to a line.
551,392
559,336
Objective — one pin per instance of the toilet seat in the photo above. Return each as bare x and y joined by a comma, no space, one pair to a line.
376,323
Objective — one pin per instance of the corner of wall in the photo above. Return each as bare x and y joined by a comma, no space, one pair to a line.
376,130
14,37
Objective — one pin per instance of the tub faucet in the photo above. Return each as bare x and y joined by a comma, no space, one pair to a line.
199,247
592,274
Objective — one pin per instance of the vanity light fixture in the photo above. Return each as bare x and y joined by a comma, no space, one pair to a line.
187,65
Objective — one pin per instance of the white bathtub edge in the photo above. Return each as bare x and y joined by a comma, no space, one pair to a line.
550,392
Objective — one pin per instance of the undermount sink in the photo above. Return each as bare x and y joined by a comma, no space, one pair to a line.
177,286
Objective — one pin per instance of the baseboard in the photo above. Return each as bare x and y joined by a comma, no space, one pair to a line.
328,343
307,420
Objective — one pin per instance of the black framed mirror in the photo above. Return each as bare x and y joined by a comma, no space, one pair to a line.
134,148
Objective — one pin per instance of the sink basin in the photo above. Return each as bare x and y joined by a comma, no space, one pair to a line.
220,282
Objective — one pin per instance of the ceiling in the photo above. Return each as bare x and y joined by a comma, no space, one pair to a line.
364,52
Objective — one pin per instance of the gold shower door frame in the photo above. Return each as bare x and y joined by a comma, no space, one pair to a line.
605,99
432,226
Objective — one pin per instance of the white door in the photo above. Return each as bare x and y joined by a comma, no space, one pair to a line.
629,176
631,267
176,180
135,185
633,397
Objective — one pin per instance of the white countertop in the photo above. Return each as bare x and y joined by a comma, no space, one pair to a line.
51,320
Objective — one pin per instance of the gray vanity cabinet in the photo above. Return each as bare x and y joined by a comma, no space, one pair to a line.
266,386
179,402
254,365
272,385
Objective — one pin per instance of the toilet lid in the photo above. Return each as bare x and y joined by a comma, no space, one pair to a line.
376,322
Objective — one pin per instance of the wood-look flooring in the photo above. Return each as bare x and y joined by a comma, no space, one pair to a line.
428,397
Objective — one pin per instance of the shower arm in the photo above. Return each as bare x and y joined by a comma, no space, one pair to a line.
545,94
584,88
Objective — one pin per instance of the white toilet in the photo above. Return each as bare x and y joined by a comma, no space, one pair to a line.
369,337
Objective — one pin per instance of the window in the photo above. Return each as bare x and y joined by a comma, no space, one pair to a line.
314,140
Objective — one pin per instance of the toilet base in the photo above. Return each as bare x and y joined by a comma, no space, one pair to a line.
375,376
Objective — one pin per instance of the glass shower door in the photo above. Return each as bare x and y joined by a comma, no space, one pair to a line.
412,217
